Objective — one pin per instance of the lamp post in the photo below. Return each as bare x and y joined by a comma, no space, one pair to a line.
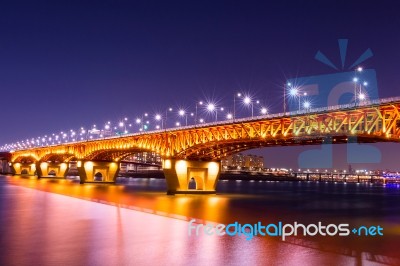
304,94
158,117
216,110
362,96
108,128
183,113
295,92
284,96
247,100
195,117
122,126
307,105
166,116
234,104
211,108
141,122
355,80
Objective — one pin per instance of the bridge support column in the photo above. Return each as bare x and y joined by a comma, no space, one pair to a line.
4,167
180,173
45,169
23,168
93,171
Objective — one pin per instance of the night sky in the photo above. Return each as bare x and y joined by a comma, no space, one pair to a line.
69,64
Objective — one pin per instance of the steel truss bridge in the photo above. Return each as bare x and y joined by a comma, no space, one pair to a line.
195,152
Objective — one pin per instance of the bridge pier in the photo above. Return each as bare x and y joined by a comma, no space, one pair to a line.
4,167
180,174
23,168
97,171
45,169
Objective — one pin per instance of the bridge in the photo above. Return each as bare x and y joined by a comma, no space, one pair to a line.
195,152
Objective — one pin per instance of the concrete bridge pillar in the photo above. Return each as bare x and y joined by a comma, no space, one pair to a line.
45,169
191,177
97,171
4,167
23,168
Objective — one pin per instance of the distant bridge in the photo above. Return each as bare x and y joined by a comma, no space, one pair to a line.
195,152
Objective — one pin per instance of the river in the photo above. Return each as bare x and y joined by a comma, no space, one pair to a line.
60,222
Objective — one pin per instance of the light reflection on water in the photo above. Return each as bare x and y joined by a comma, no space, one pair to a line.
40,228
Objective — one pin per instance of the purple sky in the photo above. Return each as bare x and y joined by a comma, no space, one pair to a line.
65,65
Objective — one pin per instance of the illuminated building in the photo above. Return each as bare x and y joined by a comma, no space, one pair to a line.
241,161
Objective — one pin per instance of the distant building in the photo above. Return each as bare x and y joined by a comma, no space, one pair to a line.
141,161
144,157
243,162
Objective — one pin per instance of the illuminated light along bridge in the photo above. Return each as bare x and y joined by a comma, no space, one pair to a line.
195,152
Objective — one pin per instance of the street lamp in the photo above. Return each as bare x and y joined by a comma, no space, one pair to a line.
158,117
361,95
122,126
355,80
140,121
307,105
108,128
183,113
247,100
295,92
304,94
264,111
234,103
211,108
221,109
166,116
195,117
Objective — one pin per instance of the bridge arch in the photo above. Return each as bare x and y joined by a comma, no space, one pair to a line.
98,176
221,149
52,173
25,159
55,157
112,154
196,182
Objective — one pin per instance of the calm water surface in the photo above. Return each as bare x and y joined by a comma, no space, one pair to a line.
60,222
